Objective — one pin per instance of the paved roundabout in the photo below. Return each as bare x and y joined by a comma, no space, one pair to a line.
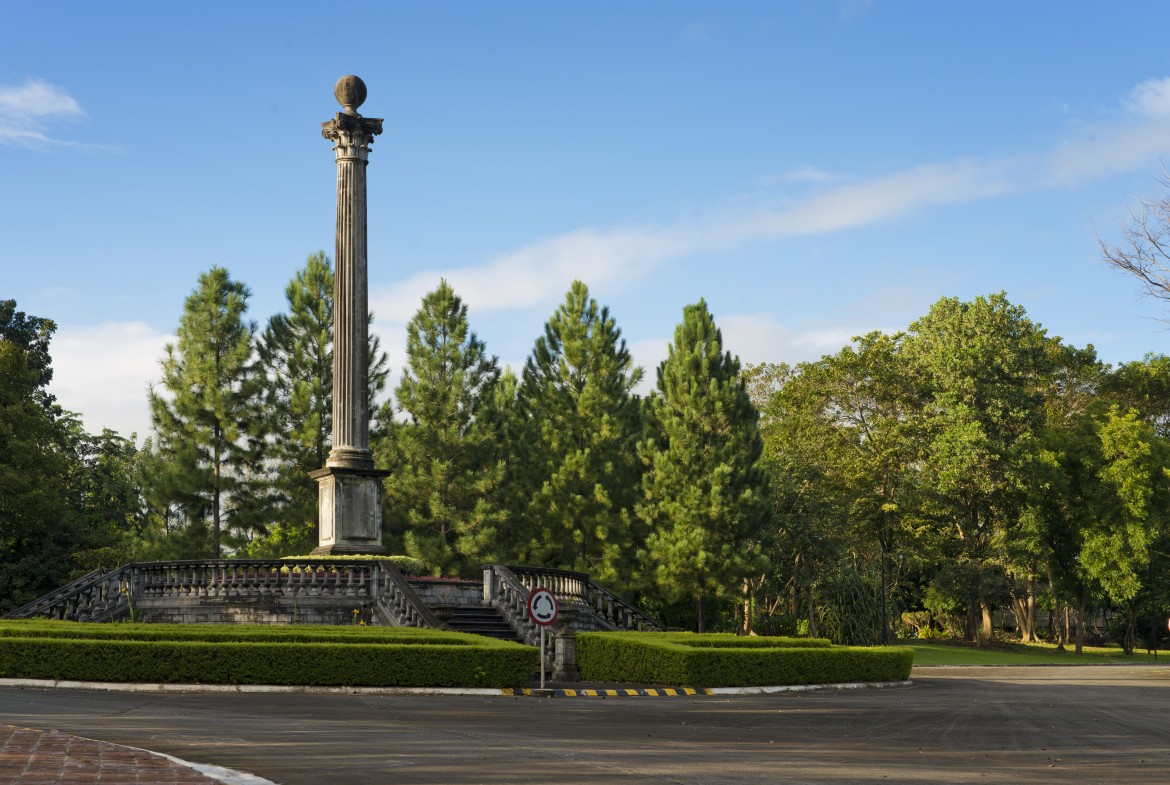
1106,724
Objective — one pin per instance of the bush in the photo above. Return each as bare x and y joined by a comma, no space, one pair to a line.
227,654
407,565
665,658
261,633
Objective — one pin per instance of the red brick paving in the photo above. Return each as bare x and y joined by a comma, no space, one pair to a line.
36,757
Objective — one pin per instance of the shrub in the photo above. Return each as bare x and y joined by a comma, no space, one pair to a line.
663,658
407,565
229,654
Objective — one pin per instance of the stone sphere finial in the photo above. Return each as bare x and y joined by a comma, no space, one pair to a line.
350,92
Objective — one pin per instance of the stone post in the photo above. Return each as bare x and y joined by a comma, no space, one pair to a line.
565,649
349,487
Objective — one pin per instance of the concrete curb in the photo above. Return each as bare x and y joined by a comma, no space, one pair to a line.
227,776
244,688
507,692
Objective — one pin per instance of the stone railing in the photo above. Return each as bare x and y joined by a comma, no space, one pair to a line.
398,602
98,596
247,579
584,605
503,589
593,605
272,591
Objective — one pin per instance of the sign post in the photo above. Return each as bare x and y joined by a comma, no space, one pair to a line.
542,609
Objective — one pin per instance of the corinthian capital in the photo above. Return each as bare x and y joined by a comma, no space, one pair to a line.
351,134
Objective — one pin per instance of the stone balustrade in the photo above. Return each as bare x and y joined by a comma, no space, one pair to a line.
593,606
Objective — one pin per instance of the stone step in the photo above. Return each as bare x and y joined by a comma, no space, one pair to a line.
481,620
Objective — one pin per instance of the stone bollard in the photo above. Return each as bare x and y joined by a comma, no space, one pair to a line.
565,659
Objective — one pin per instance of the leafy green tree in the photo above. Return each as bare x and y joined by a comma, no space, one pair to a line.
575,476
983,365
207,413
1134,520
33,467
64,495
806,510
704,493
449,479
866,404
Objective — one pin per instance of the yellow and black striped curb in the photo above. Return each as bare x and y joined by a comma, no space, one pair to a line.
657,692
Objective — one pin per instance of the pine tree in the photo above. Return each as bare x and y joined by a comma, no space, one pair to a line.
704,491
450,473
576,477
206,420
296,354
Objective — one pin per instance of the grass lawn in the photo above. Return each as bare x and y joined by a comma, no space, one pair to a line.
1001,653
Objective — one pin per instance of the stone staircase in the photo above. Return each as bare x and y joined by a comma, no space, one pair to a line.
480,620
319,591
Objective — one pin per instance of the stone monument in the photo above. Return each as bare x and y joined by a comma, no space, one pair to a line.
349,487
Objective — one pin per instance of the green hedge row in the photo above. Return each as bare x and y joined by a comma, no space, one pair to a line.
673,659
408,565
40,628
230,662
727,640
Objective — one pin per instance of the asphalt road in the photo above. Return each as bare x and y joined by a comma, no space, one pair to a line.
1107,724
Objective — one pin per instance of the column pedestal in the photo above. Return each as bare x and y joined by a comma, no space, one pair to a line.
349,511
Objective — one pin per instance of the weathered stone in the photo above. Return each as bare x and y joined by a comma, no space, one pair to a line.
349,487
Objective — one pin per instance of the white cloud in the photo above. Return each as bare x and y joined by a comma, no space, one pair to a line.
1151,98
542,271
102,372
539,273
754,338
852,8
25,110
807,174
758,338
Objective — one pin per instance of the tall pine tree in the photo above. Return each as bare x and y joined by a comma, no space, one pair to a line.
576,476
450,470
704,490
296,354
208,410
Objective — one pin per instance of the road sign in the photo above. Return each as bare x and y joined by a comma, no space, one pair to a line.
542,607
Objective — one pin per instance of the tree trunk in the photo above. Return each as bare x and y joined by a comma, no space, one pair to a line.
701,625
215,523
971,626
747,608
1052,610
1128,643
986,632
812,614
1081,623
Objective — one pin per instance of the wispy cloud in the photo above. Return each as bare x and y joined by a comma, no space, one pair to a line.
852,8
103,371
1151,98
539,273
26,111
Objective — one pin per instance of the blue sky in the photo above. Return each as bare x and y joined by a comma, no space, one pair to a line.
813,169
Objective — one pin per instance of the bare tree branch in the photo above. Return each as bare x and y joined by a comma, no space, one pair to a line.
1145,250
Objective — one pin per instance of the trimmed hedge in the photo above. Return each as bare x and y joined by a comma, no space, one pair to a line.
727,640
260,633
407,565
666,658
230,654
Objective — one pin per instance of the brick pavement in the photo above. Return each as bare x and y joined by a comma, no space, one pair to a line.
36,757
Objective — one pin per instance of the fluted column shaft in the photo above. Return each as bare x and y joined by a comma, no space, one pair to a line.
352,135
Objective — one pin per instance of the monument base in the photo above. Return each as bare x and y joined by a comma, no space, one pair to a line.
349,503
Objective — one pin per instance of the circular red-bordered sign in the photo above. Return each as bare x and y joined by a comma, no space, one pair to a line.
542,607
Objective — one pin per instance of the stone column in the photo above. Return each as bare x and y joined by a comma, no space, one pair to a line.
349,487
